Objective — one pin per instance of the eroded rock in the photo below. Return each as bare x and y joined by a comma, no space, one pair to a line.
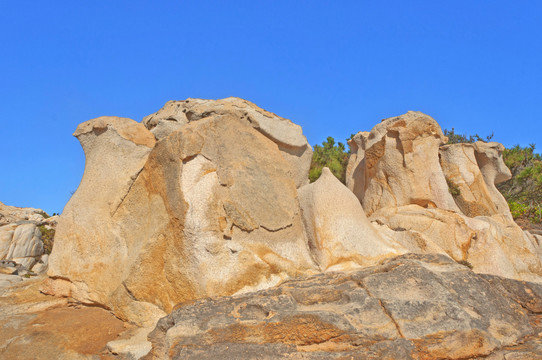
398,164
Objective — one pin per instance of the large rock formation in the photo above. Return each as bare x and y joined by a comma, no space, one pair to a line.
411,307
209,209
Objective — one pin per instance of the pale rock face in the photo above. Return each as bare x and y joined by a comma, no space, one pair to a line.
475,169
210,210
284,133
400,165
338,232
20,238
461,169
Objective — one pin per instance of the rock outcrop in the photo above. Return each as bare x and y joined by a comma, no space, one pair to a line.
411,307
210,209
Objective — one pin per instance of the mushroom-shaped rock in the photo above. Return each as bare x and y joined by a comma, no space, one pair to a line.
339,234
284,133
401,166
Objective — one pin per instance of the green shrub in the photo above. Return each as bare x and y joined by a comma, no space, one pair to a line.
453,188
48,238
454,138
335,157
44,214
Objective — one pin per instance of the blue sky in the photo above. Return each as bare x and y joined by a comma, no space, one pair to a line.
335,68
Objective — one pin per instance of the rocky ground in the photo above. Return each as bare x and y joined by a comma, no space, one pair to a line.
410,307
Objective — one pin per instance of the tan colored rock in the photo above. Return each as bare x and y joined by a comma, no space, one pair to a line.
355,179
88,249
11,214
491,163
212,209
337,229
21,242
40,327
468,185
287,135
400,165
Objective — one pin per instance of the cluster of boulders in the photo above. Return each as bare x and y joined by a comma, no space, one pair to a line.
22,251
210,198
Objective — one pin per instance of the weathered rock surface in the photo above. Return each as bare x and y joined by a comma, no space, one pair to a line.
338,232
38,327
411,307
210,209
398,164
440,199
285,134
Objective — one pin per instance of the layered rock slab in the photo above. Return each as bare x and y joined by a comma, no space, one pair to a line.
410,307
210,209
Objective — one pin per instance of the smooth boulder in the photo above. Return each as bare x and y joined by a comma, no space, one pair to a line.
338,232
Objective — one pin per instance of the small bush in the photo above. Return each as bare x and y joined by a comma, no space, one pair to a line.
453,188
331,155
465,263
48,238
44,214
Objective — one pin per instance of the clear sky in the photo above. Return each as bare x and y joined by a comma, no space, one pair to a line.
334,67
